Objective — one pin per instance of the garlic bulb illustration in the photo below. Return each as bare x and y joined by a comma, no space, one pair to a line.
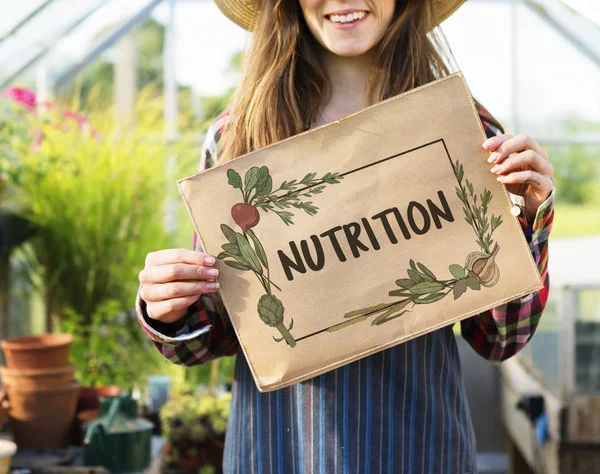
483,266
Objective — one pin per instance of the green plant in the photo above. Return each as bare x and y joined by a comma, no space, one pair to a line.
96,196
194,429
110,349
576,173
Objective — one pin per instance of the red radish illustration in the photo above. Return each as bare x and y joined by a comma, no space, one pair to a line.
245,216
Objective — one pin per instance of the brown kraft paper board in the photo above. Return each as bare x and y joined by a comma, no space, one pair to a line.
360,234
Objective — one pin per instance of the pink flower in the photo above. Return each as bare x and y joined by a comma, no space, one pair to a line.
21,96
79,118
38,138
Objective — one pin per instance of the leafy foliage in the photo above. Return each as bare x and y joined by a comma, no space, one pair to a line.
576,173
101,347
475,208
190,425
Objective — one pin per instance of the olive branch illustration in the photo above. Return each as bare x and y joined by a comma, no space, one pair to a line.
245,252
422,286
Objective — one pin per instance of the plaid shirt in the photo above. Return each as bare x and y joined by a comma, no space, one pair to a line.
336,422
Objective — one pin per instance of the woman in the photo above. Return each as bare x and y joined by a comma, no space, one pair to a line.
404,409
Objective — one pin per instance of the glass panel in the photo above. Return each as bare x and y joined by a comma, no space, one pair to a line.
61,34
542,353
541,98
11,17
40,33
587,342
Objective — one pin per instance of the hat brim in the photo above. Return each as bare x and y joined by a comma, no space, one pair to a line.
243,12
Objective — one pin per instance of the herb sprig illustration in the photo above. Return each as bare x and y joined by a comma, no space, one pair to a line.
257,192
422,286
245,252
475,209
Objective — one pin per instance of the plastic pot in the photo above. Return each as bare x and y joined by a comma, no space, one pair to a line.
38,378
37,352
42,418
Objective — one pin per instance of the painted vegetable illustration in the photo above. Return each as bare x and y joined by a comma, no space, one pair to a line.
245,252
484,267
422,286
245,216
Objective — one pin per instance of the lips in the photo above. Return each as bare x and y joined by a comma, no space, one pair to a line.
347,18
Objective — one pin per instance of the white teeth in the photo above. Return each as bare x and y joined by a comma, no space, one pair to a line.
347,18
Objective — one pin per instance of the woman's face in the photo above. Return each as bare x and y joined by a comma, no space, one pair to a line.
348,27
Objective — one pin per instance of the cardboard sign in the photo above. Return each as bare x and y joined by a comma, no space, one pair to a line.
361,234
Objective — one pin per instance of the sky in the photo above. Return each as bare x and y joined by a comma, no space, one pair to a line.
553,79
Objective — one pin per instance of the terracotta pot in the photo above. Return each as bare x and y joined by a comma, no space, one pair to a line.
37,352
38,378
89,397
42,418
4,406
87,416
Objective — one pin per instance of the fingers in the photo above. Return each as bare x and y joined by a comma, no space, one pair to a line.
169,311
538,181
173,280
177,272
168,291
502,146
528,159
171,256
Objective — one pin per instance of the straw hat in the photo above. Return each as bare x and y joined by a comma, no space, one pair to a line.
244,12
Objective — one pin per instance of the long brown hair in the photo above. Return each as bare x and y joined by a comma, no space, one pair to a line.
284,80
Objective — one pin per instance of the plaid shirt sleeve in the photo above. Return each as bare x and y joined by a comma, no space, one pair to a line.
205,332
501,332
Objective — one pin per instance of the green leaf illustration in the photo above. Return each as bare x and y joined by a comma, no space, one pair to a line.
249,254
223,255
430,298
473,283
426,277
265,188
237,265
260,251
414,276
459,288
229,233
251,178
427,271
426,287
370,309
405,283
262,175
235,179
233,249
457,271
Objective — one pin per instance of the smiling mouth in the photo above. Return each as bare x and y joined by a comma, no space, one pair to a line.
347,18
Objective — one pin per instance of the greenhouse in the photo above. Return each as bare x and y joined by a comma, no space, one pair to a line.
106,104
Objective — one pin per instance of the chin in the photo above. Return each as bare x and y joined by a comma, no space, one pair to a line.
350,51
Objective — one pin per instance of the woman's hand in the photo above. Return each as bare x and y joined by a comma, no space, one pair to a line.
173,280
523,166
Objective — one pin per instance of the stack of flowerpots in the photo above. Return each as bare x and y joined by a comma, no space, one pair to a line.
42,390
